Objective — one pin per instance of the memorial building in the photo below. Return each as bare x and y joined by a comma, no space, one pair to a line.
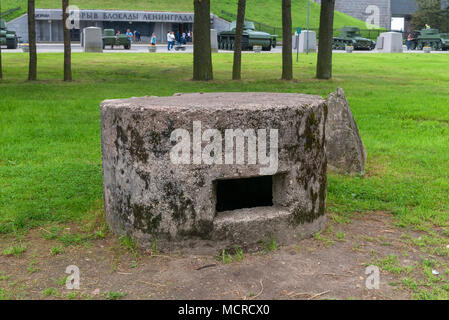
49,23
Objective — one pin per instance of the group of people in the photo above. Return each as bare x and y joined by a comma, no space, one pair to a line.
172,37
181,38
132,36
410,38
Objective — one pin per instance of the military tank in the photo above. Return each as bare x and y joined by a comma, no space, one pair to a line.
8,38
351,36
110,39
250,38
430,38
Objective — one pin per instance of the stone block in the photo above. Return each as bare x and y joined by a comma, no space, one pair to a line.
214,40
389,42
92,39
302,41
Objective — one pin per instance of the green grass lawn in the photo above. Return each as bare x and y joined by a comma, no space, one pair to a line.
50,161
266,11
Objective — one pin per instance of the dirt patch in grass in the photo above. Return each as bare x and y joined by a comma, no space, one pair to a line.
331,265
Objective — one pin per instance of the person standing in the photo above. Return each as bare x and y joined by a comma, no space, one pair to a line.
130,35
169,40
153,39
173,39
409,41
136,36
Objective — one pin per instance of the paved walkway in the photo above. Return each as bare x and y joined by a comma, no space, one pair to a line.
162,48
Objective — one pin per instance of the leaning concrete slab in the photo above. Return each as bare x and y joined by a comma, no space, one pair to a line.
345,150
208,171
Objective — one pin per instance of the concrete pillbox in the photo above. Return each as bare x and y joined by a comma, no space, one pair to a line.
210,171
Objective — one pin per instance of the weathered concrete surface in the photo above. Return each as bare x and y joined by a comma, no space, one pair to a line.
92,39
301,41
148,197
389,42
345,150
213,40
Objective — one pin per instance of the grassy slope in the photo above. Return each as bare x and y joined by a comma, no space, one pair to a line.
266,11
50,167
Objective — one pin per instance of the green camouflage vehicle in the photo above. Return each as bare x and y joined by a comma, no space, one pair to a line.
110,39
351,36
8,38
250,38
430,38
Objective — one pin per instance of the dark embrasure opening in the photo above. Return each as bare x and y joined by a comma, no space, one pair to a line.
236,194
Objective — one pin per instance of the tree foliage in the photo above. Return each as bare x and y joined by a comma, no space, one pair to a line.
433,13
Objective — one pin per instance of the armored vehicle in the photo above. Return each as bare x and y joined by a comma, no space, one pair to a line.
351,36
430,38
250,38
110,39
7,38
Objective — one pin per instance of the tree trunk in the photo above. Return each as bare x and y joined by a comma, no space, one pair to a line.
202,51
237,67
324,64
287,54
1,68
32,71
67,48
